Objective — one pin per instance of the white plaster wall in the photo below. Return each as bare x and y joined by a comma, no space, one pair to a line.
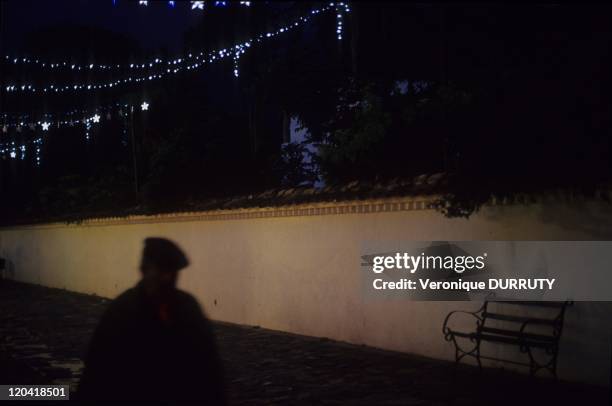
302,274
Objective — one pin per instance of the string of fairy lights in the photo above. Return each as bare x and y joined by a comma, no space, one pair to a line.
156,69
18,149
70,118
341,9
170,65
15,150
196,5
173,67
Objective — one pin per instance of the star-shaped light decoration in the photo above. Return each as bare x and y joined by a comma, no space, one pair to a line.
13,154
144,106
143,2
45,126
96,118
197,5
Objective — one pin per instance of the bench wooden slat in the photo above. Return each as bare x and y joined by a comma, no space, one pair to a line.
517,319
556,305
533,340
514,341
514,333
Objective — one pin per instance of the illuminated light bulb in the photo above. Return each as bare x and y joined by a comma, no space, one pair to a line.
45,126
197,5
144,106
96,118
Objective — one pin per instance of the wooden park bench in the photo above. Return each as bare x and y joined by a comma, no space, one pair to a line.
537,336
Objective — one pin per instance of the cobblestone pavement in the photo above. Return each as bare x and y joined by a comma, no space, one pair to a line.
45,332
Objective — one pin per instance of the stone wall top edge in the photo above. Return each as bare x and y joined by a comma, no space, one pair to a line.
330,207
293,210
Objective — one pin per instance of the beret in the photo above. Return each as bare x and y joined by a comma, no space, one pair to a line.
164,253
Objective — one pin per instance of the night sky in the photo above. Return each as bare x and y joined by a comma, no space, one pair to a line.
153,27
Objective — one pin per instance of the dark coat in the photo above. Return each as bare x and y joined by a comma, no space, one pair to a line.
134,355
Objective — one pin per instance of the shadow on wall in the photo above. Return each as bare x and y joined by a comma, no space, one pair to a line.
7,269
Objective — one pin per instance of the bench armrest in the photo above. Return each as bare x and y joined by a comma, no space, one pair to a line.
448,333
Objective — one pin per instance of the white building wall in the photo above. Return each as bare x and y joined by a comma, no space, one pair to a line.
297,269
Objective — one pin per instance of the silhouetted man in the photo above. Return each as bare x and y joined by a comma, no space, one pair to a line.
154,342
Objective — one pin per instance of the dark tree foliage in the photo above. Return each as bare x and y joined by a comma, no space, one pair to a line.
517,101
504,99
295,166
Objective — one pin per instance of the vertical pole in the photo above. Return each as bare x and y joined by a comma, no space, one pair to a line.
286,129
1,76
1,47
134,161
253,118
354,20
444,83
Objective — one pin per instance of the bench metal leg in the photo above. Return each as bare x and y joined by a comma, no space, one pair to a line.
460,353
535,366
